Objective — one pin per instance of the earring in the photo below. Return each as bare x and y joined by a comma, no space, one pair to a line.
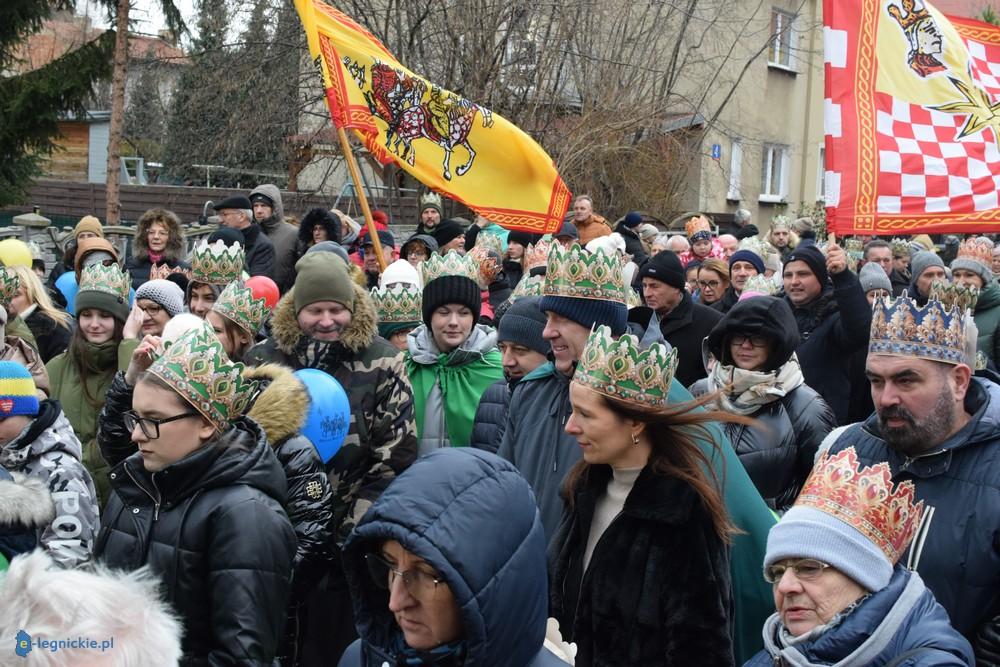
635,440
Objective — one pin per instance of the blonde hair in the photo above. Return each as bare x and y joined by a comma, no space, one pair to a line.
38,295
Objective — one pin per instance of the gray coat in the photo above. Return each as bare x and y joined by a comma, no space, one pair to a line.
283,236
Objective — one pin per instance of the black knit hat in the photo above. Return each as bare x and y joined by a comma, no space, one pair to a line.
446,232
451,289
523,324
813,258
666,267
522,238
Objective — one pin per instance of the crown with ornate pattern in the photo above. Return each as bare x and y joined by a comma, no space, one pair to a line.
490,242
758,284
900,247
108,279
217,264
10,282
163,271
197,368
864,499
574,272
399,304
697,223
537,254
430,199
452,264
621,369
488,261
756,245
976,250
951,295
529,286
781,222
901,328
237,304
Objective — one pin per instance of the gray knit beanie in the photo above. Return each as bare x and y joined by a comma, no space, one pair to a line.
922,261
522,324
163,292
969,264
872,276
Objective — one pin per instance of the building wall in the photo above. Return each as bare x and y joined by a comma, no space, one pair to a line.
70,161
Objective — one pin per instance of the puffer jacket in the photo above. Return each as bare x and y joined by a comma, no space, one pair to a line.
902,619
812,420
47,450
381,440
472,518
212,528
487,427
832,326
283,235
955,550
987,318
51,338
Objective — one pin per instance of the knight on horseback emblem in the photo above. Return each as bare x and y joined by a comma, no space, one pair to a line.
411,111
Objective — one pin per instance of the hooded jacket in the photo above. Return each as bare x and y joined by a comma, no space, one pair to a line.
212,527
987,318
139,264
491,415
381,441
304,235
473,519
633,244
26,508
47,450
832,326
447,386
284,236
955,550
901,619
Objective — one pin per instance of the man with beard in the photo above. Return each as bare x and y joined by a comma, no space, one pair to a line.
523,349
937,425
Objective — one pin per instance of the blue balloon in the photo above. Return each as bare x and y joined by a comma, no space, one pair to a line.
66,283
329,412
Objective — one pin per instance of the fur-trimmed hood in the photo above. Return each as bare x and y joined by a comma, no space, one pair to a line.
283,405
358,335
323,217
175,241
24,501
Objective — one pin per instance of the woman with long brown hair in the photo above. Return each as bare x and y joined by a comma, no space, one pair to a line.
713,280
641,563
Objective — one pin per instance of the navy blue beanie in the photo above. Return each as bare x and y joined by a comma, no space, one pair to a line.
747,256
633,219
588,312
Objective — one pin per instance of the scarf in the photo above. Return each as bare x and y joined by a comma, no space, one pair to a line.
311,353
462,385
156,257
743,392
446,655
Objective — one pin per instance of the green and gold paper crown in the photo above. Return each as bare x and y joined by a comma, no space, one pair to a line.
236,303
399,304
9,284
529,286
756,245
620,369
758,284
452,264
953,294
217,264
197,368
574,272
900,247
108,279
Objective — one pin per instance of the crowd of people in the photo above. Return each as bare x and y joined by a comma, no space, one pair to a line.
610,445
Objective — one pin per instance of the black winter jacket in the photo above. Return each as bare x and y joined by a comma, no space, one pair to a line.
657,589
139,267
212,528
685,327
633,244
726,303
491,416
812,420
832,326
260,258
51,337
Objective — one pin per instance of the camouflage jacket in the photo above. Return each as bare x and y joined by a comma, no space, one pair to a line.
48,450
382,439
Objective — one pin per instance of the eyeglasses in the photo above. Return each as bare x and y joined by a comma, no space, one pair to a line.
418,583
150,426
709,284
152,310
755,341
806,569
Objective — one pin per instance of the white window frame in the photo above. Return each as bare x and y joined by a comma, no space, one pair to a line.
769,153
735,169
821,174
780,54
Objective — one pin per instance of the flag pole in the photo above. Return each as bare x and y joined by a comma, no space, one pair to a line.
352,168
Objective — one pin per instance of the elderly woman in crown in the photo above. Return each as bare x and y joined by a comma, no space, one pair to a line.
841,596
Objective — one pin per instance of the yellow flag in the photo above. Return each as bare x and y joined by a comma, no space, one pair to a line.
447,142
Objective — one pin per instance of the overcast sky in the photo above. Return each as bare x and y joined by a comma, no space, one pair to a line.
145,14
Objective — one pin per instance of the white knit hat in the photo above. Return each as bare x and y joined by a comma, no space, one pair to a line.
400,271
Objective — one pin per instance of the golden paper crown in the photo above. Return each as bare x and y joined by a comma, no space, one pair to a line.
758,284
901,328
865,500
9,284
954,295
976,250
431,198
537,255
529,286
695,224
620,369
489,242
162,271
900,247
197,368
756,245
452,264
108,279
217,264
237,304
488,261
574,272
781,222
399,304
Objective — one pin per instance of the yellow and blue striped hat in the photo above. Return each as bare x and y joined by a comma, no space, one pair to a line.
17,391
